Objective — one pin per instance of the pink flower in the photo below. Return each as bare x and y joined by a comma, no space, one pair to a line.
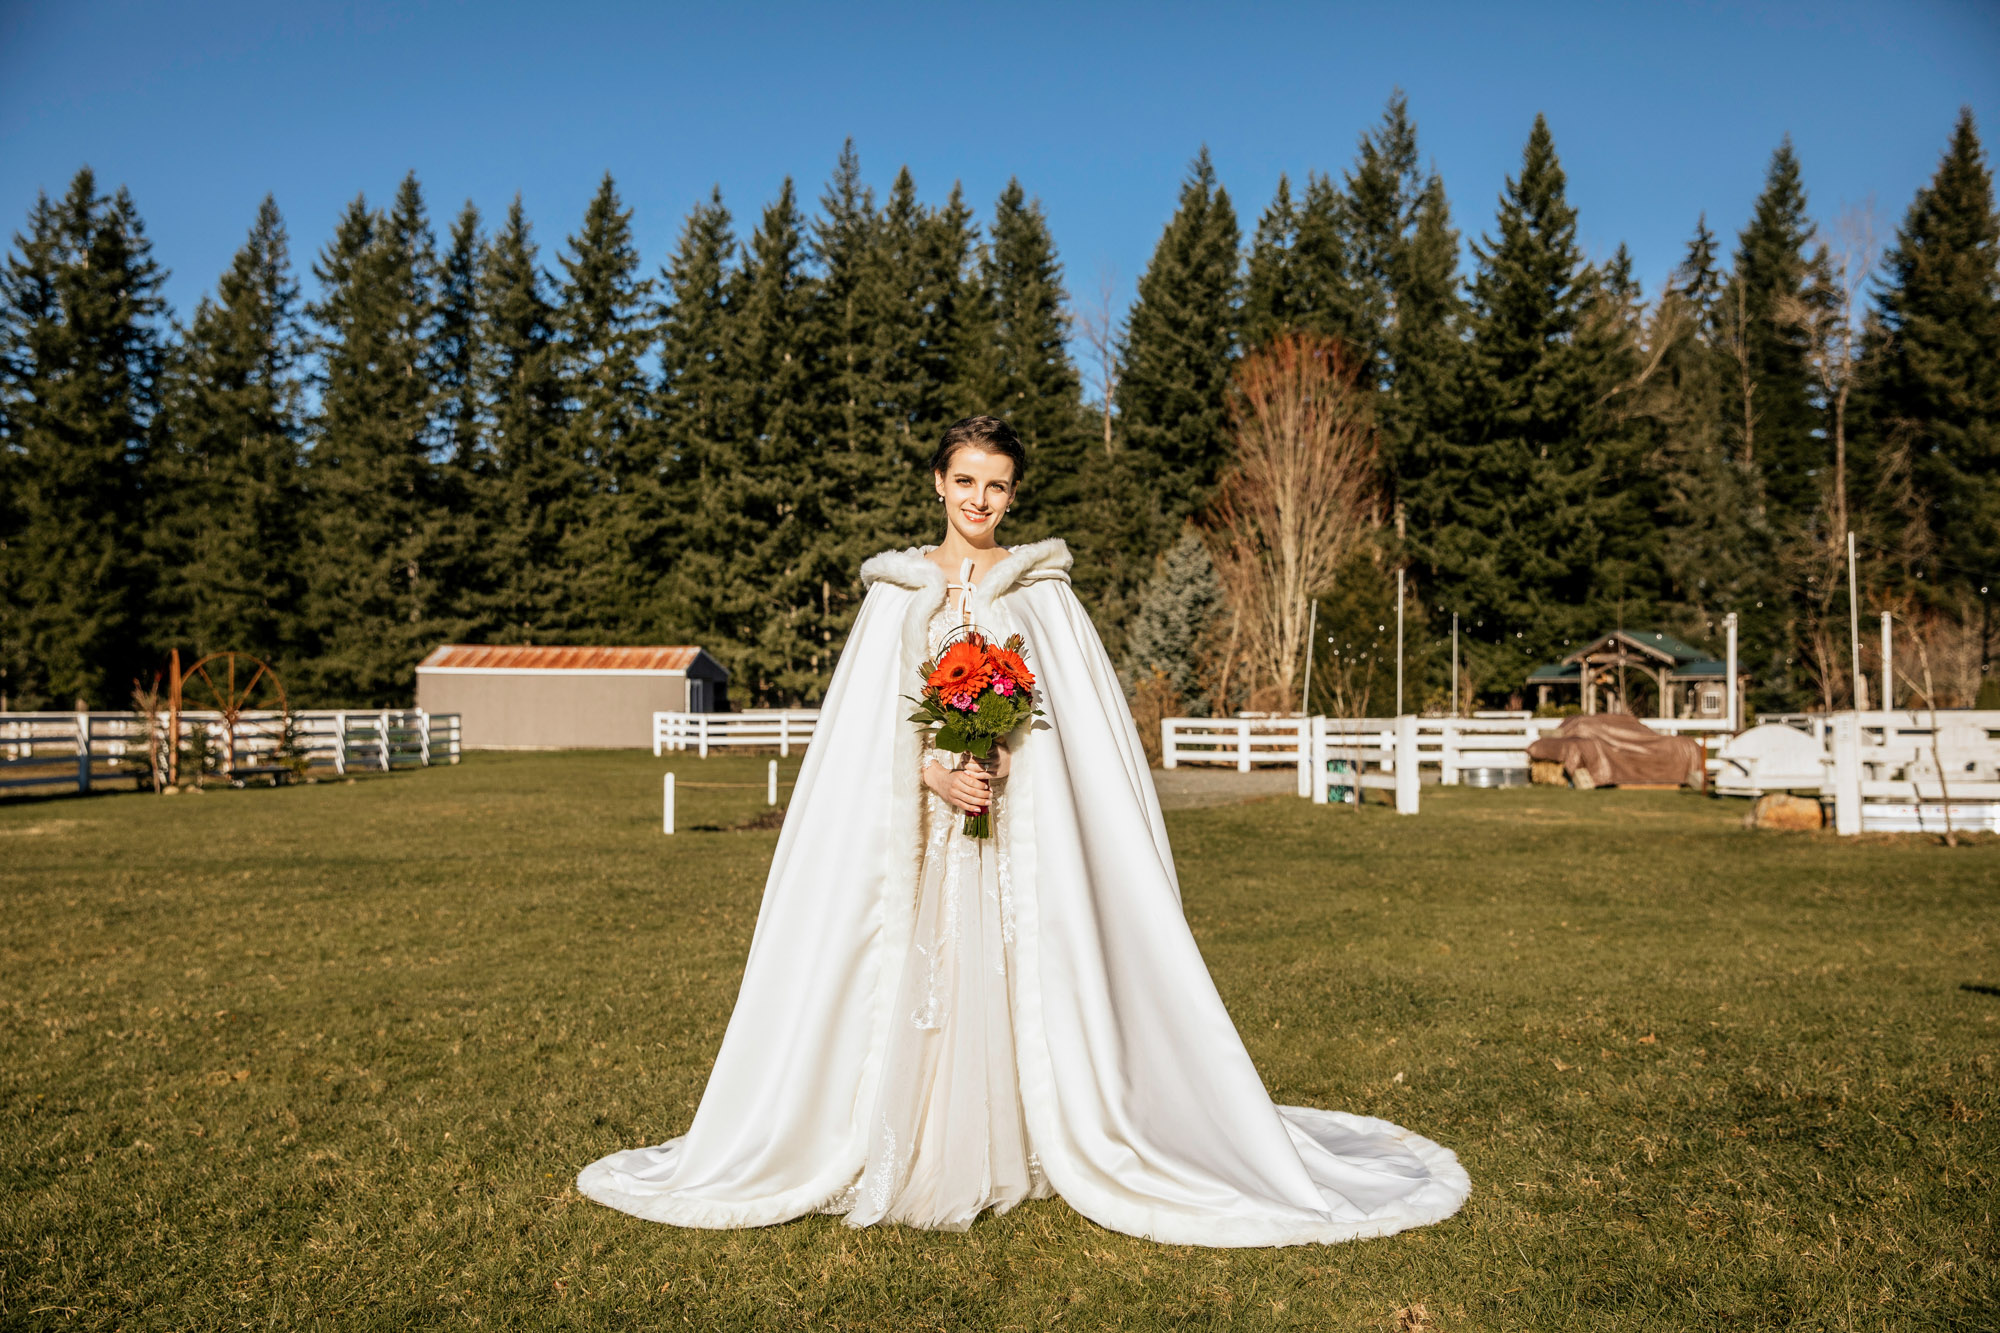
961,700
1003,686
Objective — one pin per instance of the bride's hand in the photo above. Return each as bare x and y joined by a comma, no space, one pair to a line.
965,789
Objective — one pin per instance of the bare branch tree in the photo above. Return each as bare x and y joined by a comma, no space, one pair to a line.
1100,334
1299,498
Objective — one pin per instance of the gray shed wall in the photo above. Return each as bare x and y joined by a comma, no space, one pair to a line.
548,710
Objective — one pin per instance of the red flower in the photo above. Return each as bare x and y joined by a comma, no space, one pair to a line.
1010,665
964,669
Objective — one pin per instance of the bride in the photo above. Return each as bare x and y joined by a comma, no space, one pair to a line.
933,1025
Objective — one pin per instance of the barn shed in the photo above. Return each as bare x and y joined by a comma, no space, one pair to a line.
523,697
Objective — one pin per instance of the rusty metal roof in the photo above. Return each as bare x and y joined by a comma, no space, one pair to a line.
532,657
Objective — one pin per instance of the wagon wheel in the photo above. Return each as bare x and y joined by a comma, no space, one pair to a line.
232,684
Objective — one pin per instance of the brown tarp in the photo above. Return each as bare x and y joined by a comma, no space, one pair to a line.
1617,749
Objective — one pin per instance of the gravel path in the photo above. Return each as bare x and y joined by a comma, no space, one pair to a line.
1192,788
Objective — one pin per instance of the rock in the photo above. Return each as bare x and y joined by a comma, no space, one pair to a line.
1782,811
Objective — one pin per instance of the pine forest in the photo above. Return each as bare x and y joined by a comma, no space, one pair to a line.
460,429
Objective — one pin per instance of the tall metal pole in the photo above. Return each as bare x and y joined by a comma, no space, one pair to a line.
1854,627
1312,632
1454,664
1729,636
1399,643
1888,665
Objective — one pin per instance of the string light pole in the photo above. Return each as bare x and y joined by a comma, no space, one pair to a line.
1454,664
1854,629
1399,643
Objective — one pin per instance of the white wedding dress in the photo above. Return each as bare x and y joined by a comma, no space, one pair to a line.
931,1026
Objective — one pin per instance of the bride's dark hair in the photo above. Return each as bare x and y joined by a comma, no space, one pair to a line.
990,434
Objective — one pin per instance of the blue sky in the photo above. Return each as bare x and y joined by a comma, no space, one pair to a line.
1660,111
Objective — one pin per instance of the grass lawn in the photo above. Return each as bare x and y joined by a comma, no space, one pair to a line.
330,1057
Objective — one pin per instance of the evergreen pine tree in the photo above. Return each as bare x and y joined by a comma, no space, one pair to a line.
80,357
458,354
779,637
1426,351
1716,549
1173,616
1268,299
1781,436
1180,347
231,518
1030,381
1699,278
1518,545
1380,205
380,582
533,494
701,411
933,349
602,338
1932,388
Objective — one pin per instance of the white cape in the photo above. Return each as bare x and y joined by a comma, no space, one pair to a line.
1140,1100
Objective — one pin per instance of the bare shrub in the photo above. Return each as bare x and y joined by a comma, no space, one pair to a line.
1298,499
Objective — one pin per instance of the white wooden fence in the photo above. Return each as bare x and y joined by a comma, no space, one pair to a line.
779,728
1896,771
1454,746
80,750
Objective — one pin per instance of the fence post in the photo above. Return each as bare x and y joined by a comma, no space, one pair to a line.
1305,748
667,804
785,732
701,725
771,784
1168,735
1847,774
1406,764
1317,744
340,743
1242,745
656,735
382,721
1448,754
83,753
424,731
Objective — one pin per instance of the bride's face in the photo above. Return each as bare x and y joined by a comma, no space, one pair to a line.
976,489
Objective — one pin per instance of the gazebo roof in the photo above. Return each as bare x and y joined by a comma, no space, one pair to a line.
1655,649
1657,645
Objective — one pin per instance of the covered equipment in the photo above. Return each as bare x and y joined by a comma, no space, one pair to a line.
1618,750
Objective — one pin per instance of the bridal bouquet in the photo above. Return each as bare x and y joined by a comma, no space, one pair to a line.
973,694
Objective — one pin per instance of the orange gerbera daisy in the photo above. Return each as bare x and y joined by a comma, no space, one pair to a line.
962,670
1010,665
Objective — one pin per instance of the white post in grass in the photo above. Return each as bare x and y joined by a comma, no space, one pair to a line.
1305,752
667,804
771,784
1167,738
1406,764
1846,774
1242,745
